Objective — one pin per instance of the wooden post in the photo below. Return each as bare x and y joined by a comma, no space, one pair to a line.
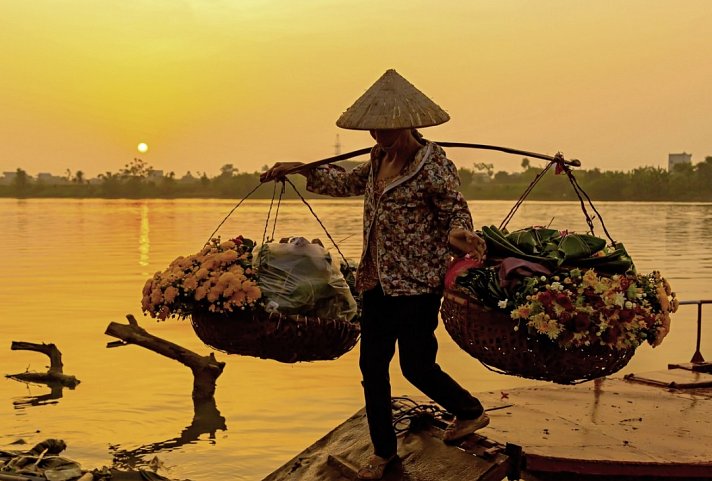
206,369
54,374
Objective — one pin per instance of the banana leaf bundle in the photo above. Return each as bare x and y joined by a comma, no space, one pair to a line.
515,261
557,250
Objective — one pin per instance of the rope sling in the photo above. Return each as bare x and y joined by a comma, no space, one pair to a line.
273,335
484,334
489,335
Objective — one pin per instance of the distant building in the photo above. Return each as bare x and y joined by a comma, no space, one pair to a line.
51,179
155,175
678,159
8,177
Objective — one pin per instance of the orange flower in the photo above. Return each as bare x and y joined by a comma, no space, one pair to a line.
200,293
157,296
170,294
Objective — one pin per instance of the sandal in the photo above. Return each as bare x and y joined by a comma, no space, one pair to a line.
375,467
460,428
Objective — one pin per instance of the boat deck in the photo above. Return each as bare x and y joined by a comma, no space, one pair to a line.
654,425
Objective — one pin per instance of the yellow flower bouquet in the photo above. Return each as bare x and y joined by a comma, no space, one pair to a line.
219,290
220,279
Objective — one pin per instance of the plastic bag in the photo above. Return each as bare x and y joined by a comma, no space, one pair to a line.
299,277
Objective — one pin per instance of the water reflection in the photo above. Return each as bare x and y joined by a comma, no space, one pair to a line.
206,420
76,265
56,392
144,243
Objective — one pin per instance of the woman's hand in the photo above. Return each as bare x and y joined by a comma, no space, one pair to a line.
279,170
468,242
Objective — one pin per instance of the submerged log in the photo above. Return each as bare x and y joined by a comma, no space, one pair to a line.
206,369
54,374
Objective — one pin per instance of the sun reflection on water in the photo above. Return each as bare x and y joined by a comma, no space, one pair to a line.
144,242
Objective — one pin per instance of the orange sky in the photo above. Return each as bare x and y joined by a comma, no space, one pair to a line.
249,82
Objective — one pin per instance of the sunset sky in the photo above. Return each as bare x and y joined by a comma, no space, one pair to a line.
249,82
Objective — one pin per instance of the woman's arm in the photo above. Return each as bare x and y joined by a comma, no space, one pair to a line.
328,179
336,182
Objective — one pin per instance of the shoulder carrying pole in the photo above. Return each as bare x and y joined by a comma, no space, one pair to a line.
356,153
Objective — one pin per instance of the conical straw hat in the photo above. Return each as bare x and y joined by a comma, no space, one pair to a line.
392,103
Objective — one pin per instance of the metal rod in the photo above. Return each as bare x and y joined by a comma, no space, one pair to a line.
697,357
356,153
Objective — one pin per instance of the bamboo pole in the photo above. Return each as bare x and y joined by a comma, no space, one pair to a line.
507,150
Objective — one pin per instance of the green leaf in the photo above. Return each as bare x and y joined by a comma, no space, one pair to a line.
525,240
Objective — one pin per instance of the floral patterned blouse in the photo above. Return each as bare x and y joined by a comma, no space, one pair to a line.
368,278
406,225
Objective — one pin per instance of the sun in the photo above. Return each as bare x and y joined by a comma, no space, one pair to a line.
142,147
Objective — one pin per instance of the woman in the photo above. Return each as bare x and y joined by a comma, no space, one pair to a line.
414,216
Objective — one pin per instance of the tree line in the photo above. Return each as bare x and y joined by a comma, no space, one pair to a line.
686,182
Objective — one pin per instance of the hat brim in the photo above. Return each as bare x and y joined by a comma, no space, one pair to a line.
392,103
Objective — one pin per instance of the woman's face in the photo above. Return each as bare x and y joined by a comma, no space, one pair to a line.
389,139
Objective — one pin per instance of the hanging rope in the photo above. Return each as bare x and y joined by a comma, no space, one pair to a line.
524,195
265,239
558,160
318,220
579,191
230,213
561,166
276,212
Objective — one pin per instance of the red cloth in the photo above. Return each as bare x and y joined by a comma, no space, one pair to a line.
457,267
512,270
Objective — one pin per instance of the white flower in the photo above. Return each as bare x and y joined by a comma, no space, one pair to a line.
542,278
516,328
628,305
557,286
618,299
502,304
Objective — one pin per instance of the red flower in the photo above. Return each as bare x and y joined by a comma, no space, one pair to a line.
546,298
582,321
238,240
626,315
611,334
564,301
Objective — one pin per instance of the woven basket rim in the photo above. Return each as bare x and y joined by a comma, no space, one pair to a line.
270,316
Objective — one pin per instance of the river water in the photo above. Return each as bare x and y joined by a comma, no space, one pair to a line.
69,267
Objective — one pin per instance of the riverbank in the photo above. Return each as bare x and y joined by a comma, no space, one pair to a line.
641,184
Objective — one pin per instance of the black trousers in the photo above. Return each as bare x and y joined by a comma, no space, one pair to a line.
411,321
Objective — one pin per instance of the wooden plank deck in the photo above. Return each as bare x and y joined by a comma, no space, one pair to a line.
608,429
611,427
423,457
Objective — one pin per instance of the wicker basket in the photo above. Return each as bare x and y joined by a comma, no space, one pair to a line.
282,338
488,336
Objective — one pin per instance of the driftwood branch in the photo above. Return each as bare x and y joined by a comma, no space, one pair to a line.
206,369
54,374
